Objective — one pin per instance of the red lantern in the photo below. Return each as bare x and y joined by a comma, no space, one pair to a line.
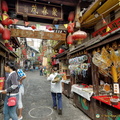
50,28
103,20
33,26
61,50
69,39
4,6
1,28
79,35
53,63
7,44
10,21
22,46
71,16
5,22
70,28
10,48
54,56
6,34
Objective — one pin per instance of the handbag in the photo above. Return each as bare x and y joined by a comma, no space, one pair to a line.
12,101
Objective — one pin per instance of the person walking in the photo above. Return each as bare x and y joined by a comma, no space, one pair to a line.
21,77
11,90
41,70
56,91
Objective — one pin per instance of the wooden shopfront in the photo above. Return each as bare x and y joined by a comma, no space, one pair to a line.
81,80
3,55
106,76
91,93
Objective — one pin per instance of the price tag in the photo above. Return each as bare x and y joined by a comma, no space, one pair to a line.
116,88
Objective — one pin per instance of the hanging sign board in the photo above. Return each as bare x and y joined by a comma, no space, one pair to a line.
37,34
41,10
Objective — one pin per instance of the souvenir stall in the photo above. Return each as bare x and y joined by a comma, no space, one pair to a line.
80,72
63,69
106,77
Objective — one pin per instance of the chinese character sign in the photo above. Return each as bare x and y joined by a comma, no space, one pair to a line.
39,10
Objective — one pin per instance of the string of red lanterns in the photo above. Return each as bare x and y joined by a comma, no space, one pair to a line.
70,28
78,35
6,21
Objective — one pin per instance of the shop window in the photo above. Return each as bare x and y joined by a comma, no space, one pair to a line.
112,15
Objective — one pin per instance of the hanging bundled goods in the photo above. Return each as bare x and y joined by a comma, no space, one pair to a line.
106,57
114,73
108,63
77,65
114,57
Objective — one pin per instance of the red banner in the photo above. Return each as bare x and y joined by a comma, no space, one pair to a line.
113,26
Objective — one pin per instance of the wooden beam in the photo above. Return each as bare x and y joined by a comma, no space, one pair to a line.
37,34
61,2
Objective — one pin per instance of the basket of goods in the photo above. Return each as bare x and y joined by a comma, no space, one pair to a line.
114,101
58,78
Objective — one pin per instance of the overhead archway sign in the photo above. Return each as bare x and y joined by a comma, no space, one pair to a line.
37,34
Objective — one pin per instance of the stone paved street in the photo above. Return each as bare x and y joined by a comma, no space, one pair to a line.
38,103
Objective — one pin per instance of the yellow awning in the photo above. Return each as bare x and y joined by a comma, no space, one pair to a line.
104,10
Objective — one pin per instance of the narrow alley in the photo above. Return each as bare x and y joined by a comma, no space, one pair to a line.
38,104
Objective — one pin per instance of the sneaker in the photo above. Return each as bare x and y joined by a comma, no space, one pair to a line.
59,112
20,118
55,107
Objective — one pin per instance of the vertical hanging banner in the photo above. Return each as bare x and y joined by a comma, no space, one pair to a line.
41,10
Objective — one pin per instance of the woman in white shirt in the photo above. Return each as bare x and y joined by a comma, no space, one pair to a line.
56,92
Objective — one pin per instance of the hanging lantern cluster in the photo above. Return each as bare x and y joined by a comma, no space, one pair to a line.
54,60
78,35
5,21
70,27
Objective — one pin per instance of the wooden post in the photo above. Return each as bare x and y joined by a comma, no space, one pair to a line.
95,79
